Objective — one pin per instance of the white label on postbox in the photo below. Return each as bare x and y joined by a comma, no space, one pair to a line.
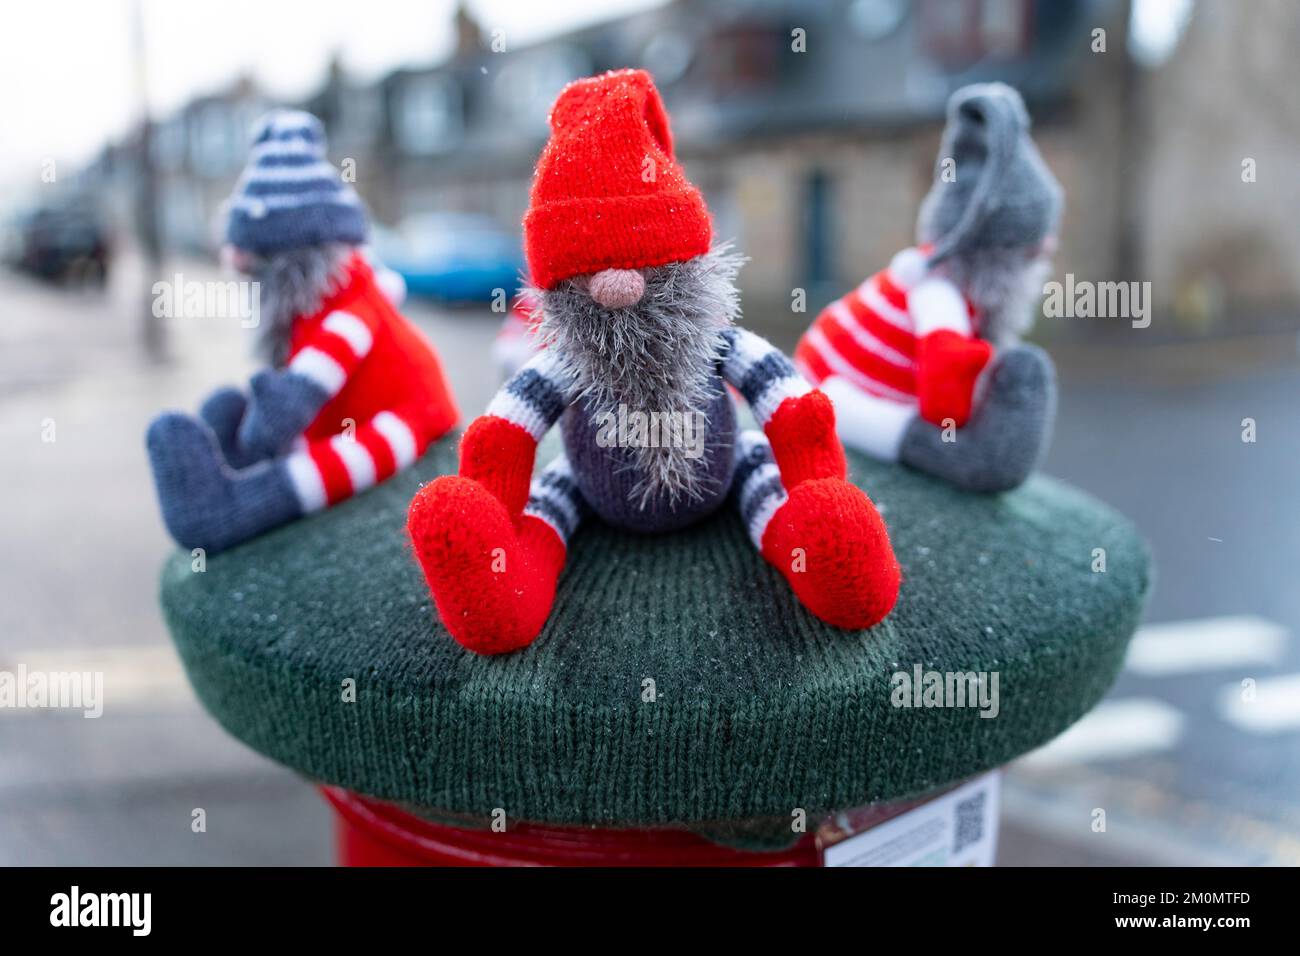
959,828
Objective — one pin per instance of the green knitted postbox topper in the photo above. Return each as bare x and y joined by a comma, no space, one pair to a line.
678,680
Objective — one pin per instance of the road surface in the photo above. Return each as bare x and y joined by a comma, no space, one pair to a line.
1184,768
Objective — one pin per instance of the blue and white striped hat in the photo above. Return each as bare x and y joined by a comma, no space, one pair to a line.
289,195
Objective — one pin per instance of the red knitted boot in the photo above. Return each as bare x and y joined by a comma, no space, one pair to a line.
492,578
831,544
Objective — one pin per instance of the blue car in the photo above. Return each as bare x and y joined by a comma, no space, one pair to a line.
452,257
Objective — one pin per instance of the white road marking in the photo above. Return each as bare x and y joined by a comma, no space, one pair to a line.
1114,730
1271,706
1209,644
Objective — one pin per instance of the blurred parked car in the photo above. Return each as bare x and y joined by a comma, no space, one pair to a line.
67,242
454,257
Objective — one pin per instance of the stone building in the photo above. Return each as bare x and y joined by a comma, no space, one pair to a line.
813,127
1220,181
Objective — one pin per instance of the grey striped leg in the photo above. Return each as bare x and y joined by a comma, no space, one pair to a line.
554,497
758,483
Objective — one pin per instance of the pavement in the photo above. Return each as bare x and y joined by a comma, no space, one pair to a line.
1184,767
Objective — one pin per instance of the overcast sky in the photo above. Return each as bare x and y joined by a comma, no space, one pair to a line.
67,81
67,78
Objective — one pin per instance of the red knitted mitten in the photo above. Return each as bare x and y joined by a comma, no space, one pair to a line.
491,569
827,539
492,577
832,546
947,366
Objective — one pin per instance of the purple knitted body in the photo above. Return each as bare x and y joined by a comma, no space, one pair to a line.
608,474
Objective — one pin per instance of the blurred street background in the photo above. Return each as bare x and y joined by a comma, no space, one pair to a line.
1169,122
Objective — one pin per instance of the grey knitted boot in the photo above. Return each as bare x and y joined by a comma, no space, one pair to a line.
1006,436
206,504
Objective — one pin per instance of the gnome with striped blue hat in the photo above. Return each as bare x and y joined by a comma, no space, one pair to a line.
289,195
352,391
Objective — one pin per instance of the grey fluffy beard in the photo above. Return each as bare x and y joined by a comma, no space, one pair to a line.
1004,284
292,284
660,355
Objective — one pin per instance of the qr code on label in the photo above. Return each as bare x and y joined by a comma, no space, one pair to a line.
970,822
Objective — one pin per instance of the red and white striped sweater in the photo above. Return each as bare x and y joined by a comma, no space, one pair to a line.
388,399
904,334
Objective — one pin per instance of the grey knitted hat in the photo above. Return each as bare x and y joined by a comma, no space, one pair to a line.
1003,194
289,195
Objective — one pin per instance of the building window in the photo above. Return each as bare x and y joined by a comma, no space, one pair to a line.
668,55
527,84
430,115
818,255
360,115
959,33
1004,28
215,142
874,20
168,145
743,59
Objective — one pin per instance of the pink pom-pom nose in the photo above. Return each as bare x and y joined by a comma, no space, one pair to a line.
617,288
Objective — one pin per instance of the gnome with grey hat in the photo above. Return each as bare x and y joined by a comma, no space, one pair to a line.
923,360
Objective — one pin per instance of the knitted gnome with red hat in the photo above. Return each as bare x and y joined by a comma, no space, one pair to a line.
353,392
908,357
637,321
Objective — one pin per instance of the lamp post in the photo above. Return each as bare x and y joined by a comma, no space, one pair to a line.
146,194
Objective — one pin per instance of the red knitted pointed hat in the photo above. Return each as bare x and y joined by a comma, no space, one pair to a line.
607,192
